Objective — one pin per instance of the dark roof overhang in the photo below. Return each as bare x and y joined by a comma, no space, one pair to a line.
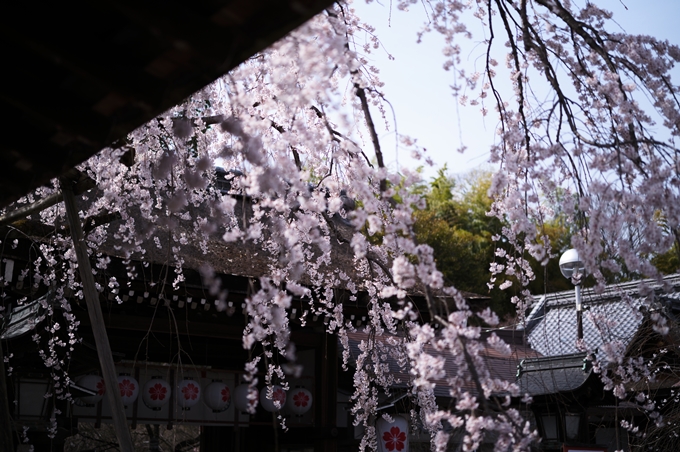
80,75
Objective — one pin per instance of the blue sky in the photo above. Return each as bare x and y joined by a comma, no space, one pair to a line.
419,89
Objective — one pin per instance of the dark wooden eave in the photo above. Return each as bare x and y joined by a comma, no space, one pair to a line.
77,76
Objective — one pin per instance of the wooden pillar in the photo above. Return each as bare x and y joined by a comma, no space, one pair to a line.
94,310
6,434
326,393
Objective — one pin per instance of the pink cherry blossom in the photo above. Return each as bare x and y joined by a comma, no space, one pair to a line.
298,129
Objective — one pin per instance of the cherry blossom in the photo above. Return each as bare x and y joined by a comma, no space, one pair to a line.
293,128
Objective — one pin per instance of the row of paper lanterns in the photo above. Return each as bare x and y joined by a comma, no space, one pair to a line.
216,395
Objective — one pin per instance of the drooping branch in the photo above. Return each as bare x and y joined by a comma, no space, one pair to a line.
597,45
335,134
361,94
293,149
518,69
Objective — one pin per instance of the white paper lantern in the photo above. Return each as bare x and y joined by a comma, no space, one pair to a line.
94,383
299,401
156,393
278,395
217,396
188,393
241,400
129,389
392,436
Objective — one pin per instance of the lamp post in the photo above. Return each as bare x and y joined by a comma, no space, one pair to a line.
573,269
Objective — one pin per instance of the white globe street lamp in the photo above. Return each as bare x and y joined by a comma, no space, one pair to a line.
573,269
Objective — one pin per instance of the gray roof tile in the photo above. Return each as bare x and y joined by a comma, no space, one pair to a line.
613,315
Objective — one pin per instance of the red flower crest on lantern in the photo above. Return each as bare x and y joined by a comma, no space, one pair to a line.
279,396
225,394
394,439
101,387
190,391
301,399
158,391
126,388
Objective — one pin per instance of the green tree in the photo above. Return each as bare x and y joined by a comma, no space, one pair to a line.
456,225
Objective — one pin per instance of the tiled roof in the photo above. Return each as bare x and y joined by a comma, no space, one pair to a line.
22,318
556,333
613,315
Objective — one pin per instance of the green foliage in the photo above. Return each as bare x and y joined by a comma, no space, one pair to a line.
440,191
456,225
668,262
462,256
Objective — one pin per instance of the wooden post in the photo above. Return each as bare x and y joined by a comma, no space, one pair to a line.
94,310
6,434
327,389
